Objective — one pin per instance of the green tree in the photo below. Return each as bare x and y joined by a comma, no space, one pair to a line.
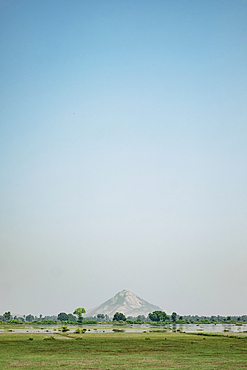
174,317
158,316
7,316
78,312
29,318
71,317
119,317
62,316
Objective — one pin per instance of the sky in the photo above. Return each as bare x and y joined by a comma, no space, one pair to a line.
123,130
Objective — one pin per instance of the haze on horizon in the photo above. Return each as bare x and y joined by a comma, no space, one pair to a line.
123,154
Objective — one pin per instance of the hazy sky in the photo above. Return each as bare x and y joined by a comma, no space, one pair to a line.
123,150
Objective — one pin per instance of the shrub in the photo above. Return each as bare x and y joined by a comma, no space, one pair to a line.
65,328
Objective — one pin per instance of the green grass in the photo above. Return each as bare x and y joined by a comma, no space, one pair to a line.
122,351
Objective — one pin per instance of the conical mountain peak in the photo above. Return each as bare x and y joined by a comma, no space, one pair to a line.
126,302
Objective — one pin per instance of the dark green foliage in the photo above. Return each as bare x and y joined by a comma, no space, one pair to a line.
174,317
119,317
71,317
29,318
100,316
7,316
158,316
62,316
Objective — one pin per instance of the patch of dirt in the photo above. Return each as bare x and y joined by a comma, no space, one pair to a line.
51,364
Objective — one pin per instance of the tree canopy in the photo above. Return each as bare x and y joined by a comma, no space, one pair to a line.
174,317
119,317
7,316
62,316
29,318
78,312
71,317
158,316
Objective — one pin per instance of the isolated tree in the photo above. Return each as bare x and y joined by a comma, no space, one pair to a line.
7,316
174,317
119,317
62,316
100,317
78,312
158,316
29,318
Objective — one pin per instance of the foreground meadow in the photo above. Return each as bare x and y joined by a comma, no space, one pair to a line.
122,351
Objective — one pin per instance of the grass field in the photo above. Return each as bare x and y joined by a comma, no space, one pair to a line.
122,351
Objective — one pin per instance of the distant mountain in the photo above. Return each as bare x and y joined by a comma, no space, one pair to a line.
127,303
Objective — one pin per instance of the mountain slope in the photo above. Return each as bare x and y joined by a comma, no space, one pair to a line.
127,303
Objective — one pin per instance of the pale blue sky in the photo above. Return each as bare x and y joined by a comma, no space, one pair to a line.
123,154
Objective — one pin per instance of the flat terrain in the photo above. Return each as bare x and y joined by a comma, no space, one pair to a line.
122,351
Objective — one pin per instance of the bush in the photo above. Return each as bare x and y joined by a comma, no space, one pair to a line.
65,328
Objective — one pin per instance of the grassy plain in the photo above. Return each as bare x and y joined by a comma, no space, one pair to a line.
121,351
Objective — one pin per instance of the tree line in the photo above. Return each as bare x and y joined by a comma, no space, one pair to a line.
155,316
